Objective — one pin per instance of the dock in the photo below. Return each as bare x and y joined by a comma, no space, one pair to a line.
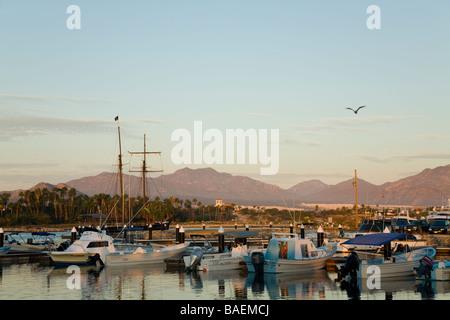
17,257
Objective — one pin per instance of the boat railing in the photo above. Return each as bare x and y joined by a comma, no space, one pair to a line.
277,235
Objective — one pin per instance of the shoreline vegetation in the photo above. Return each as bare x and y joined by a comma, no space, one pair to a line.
63,206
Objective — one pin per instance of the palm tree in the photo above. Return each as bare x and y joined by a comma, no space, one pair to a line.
4,198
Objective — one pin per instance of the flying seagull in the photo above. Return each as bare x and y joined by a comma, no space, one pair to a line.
356,109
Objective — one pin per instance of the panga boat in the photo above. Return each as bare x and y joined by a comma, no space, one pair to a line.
230,258
39,241
144,255
397,265
286,252
92,247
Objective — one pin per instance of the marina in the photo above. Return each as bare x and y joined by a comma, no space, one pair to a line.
32,276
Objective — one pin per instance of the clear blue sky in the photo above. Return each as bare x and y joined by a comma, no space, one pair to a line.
161,65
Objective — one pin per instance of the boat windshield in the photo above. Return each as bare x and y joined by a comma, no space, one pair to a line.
97,244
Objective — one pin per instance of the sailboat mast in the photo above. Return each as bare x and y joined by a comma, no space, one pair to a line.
144,169
120,172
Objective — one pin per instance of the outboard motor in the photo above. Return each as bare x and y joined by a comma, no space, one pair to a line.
63,246
195,259
95,260
258,261
425,268
351,267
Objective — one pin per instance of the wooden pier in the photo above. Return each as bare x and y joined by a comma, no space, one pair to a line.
17,257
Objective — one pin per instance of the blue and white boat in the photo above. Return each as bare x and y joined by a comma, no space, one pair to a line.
287,252
388,265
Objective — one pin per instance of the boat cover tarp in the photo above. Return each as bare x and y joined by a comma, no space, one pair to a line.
375,239
42,233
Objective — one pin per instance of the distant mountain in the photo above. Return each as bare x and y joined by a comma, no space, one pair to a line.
431,187
15,195
344,192
204,184
307,188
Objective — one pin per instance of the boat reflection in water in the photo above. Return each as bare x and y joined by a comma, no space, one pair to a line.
157,282
306,286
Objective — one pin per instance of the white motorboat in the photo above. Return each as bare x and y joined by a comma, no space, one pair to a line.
388,265
229,258
144,255
442,214
91,248
286,252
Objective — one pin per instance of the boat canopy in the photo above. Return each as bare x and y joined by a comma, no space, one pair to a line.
375,239
43,233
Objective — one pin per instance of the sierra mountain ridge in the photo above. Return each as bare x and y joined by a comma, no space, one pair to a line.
431,187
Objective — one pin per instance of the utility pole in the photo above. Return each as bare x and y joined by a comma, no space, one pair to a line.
355,184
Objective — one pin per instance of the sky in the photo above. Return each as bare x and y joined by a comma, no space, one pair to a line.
285,65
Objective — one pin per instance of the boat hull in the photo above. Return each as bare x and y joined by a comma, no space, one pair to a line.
218,262
72,258
4,250
122,258
290,266
388,270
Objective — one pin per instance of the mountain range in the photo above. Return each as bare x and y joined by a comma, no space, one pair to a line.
431,187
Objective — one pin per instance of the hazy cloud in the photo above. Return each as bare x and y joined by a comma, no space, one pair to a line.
46,98
15,126
433,136
407,157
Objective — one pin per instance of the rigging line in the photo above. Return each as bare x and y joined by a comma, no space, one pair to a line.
131,219
156,187
104,222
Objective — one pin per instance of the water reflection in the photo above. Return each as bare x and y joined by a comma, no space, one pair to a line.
156,282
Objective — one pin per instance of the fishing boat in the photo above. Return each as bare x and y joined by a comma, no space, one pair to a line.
389,265
91,248
39,241
373,226
227,258
144,255
286,252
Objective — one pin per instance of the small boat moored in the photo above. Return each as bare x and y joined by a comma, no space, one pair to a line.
91,248
286,252
144,255
390,265
229,258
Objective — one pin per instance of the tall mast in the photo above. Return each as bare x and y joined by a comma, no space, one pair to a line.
144,167
120,172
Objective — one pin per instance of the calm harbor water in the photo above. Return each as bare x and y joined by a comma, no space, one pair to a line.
30,281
